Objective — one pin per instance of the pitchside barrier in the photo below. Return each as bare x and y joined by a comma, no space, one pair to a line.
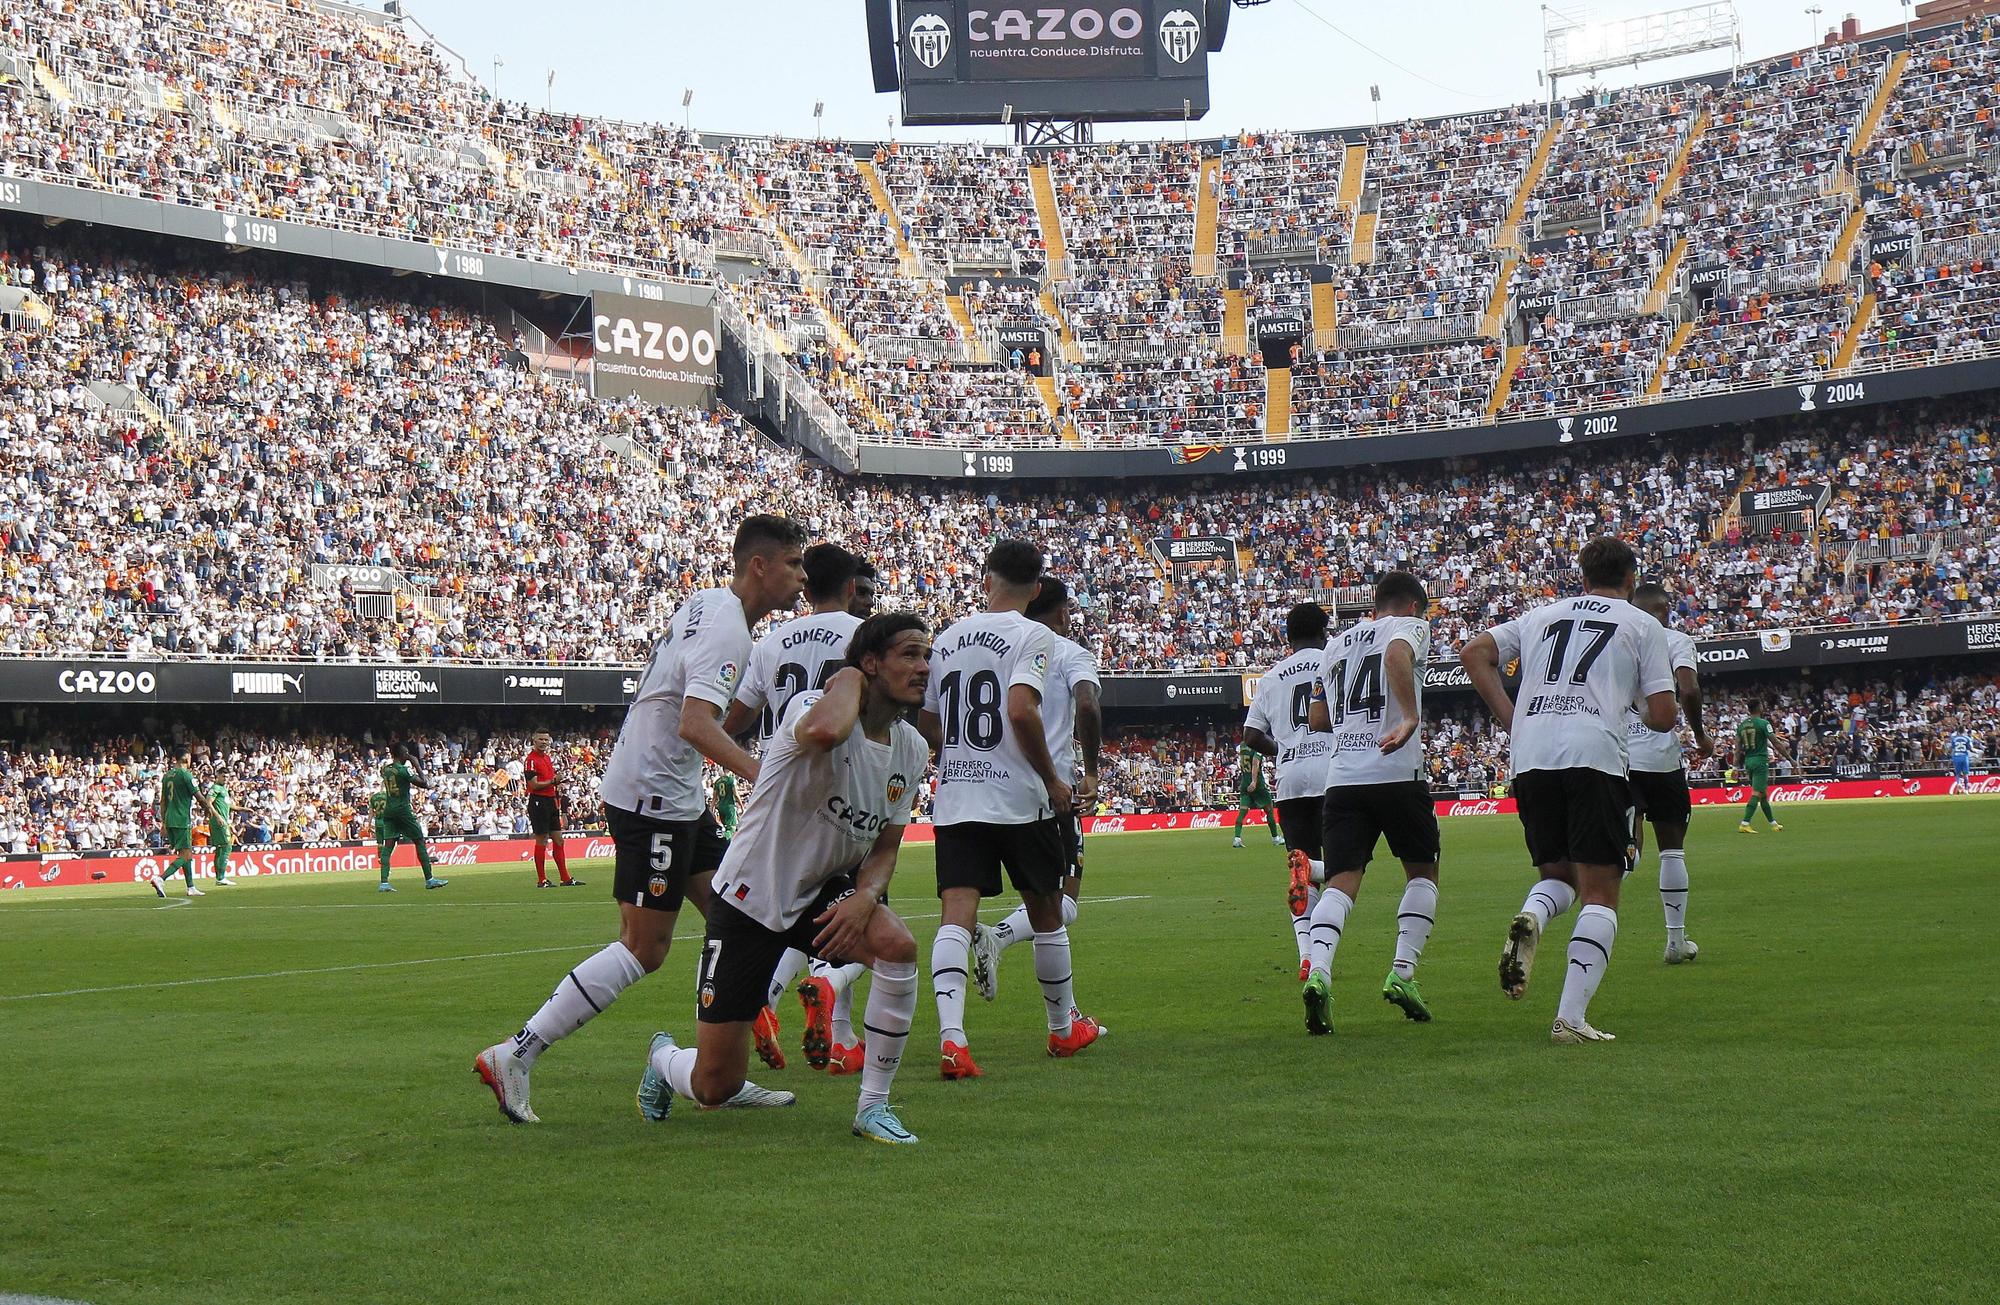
60,869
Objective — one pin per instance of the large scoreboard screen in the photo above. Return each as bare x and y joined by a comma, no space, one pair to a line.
971,61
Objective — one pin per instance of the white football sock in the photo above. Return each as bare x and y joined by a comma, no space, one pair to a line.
1318,872
950,955
676,1065
1328,918
1589,956
1549,899
1414,918
788,969
583,994
1016,929
892,1004
1052,971
1674,892
1302,924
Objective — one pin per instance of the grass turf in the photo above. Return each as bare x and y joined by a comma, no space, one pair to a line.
1805,1114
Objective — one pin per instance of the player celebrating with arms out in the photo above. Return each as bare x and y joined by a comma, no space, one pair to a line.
1754,737
538,776
1659,779
1583,662
809,870
397,820
999,800
1370,701
179,795
1279,726
665,844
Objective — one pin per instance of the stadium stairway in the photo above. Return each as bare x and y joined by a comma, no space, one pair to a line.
1509,235
53,86
1674,346
1872,119
906,258
1677,169
961,315
1864,314
1046,386
1663,283
1353,178
1326,316
1065,338
219,109
1235,323
1050,218
1505,385
1362,248
1494,324
1206,217
1841,260
1278,403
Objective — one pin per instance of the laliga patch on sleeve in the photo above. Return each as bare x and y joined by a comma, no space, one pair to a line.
1041,663
726,677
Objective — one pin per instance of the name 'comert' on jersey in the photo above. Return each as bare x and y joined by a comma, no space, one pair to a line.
797,656
652,771
1584,662
1354,679
983,776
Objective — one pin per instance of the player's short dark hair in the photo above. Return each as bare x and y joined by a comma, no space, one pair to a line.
1305,623
829,569
873,636
1053,598
400,750
1755,706
865,569
1650,592
766,533
1398,586
1606,562
1015,561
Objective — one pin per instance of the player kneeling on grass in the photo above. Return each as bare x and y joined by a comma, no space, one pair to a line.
808,869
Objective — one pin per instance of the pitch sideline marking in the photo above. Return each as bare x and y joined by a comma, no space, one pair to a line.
392,965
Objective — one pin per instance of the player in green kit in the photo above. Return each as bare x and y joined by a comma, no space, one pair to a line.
179,795
396,821
221,841
1753,742
725,803
1253,792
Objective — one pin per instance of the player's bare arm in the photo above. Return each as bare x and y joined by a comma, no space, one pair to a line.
845,923
1663,711
1259,742
1481,660
1024,715
1089,736
829,721
701,728
1399,665
1689,685
739,720
932,728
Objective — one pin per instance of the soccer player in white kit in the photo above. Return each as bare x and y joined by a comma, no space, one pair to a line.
808,869
1659,779
1071,718
665,841
1279,726
1370,710
1000,802
1584,662
793,657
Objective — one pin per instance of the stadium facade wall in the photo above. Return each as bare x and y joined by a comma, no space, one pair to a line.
61,870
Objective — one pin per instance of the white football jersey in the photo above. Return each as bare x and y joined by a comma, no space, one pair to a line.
983,776
1355,685
651,770
1284,698
1649,749
1585,662
815,814
1070,664
801,654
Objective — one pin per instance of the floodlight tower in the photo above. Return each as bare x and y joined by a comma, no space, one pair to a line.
1572,42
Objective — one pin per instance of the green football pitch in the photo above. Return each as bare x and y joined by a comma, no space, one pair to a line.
266,1096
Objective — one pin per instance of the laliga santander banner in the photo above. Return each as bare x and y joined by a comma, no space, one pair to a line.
62,870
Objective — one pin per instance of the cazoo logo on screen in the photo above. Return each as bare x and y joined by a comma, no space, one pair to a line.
625,337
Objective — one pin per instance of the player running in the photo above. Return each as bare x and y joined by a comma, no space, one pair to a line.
179,795
1370,702
1754,737
1252,792
221,840
1071,714
1279,726
1583,662
1000,801
794,657
1659,780
538,776
818,848
665,844
397,821
1959,748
